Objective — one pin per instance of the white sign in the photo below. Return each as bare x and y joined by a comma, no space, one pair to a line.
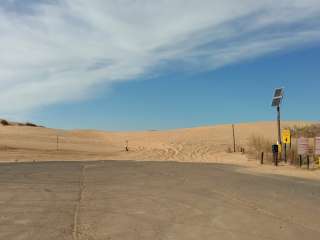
303,146
317,146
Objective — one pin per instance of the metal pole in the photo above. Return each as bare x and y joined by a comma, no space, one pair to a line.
290,141
279,125
279,131
234,139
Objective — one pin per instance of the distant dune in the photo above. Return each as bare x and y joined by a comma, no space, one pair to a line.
201,144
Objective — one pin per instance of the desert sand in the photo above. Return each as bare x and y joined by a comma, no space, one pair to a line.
200,144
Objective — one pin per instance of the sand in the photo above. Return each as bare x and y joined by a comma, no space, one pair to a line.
201,144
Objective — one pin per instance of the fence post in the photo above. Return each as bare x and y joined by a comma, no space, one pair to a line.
308,161
300,160
285,153
262,155
234,139
57,142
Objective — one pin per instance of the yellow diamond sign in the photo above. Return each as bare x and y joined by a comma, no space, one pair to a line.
286,136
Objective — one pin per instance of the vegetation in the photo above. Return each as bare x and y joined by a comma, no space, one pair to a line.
30,124
4,122
260,144
309,131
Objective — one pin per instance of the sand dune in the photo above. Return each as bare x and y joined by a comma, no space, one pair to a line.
208,144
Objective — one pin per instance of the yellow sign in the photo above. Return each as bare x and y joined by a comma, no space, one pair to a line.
286,136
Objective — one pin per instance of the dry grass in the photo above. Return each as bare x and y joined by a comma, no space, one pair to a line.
258,145
308,131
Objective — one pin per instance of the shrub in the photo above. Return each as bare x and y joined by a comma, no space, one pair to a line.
30,124
229,150
4,122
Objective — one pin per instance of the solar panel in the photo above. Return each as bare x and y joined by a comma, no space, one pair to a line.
276,102
278,95
278,92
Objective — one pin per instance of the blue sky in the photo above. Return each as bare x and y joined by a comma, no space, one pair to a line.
237,93
134,65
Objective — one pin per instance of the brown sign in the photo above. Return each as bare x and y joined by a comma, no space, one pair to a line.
303,146
317,146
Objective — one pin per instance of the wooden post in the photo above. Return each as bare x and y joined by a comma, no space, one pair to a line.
57,142
234,139
262,155
285,153
300,161
308,161
127,146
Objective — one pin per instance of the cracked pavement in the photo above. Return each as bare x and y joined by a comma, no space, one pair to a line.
153,200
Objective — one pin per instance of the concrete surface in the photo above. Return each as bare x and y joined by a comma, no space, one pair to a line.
153,200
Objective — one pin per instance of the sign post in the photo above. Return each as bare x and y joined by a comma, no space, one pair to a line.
286,138
317,148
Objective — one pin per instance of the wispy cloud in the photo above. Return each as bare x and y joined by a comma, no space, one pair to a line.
58,51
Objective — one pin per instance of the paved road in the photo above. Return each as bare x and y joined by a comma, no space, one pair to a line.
153,200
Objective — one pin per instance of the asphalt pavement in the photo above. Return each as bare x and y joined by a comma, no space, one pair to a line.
127,200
